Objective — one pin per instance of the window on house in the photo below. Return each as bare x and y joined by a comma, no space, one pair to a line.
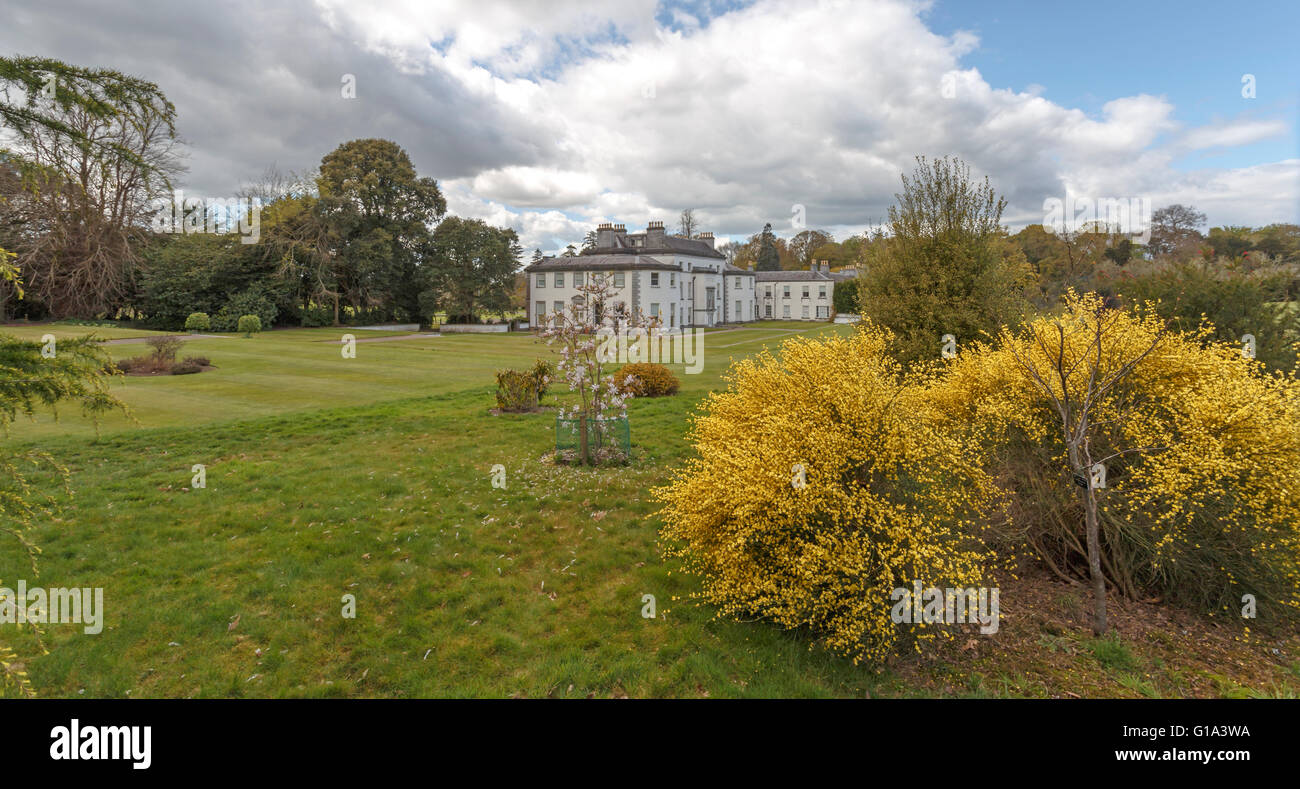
541,310
618,279
654,308
654,279
578,278
785,293
767,310
541,280
823,312
785,311
805,291
559,279
805,312
821,292
558,307
739,314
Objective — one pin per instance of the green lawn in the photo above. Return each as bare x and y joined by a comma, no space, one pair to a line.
372,477
297,370
63,331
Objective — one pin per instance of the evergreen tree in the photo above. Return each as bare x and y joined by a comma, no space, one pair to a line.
768,258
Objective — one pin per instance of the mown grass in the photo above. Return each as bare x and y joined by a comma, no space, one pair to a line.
461,589
372,477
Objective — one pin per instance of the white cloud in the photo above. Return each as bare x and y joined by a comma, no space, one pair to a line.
814,103
550,117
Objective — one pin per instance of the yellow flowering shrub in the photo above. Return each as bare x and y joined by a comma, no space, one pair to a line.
822,483
1201,496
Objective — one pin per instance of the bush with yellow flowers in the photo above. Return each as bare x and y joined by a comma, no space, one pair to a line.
1201,496
822,483
646,379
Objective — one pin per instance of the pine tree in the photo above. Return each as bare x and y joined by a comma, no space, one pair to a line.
768,258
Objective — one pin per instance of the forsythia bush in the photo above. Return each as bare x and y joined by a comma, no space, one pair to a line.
888,498
1201,503
516,390
644,379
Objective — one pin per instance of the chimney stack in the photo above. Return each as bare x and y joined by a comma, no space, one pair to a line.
604,236
654,235
708,239
619,236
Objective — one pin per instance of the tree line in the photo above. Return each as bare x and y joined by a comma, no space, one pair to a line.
94,153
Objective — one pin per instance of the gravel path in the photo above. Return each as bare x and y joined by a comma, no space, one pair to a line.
142,340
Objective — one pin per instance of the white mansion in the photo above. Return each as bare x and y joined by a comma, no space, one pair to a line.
683,281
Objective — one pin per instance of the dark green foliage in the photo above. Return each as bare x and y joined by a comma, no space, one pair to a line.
256,301
212,274
377,211
846,295
76,372
1236,301
469,268
768,257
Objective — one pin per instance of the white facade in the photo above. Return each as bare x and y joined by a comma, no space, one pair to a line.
795,296
682,281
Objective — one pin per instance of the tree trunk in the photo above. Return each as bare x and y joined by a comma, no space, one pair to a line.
1092,532
1094,557
582,440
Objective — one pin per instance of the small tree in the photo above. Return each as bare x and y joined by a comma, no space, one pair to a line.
165,348
946,267
249,325
1081,369
198,322
582,362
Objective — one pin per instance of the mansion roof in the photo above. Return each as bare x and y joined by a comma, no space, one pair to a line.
619,262
792,276
638,244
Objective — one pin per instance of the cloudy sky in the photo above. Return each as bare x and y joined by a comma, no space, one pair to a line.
549,117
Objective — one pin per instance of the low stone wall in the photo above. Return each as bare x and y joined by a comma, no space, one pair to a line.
845,317
474,328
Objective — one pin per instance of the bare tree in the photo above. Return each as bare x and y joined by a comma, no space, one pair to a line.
1174,226
275,183
687,227
81,209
